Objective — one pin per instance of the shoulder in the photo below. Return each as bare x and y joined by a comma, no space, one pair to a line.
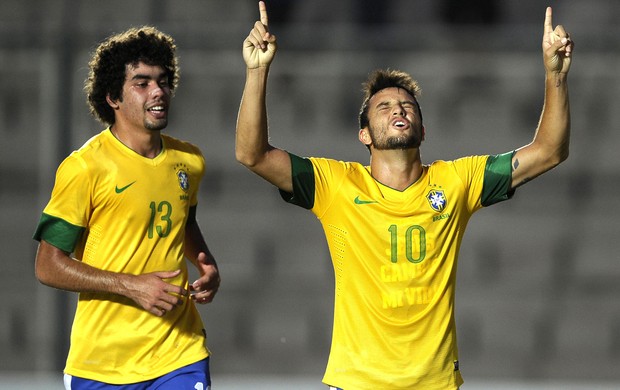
184,151
347,167
184,154
173,143
459,163
332,174
79,159
94,146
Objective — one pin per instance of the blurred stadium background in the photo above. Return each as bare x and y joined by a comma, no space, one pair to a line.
538,295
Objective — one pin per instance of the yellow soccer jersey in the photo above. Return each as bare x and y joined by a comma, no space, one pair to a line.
394,255
121,212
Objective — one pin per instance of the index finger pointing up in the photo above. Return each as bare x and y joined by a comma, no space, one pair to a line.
262,8
548,21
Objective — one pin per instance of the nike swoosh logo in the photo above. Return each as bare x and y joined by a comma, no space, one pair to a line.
357,200
119,190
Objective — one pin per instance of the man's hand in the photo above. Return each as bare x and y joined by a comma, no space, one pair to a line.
204,289
152,293
259,47
557,47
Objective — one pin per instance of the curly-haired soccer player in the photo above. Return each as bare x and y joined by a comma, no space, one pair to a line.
121,221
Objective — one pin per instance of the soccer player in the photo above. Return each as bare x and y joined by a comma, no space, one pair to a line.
121,221
394,227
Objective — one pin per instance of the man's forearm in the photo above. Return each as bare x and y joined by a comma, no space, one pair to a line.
554,128
252,135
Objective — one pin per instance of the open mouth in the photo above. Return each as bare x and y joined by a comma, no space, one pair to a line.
157,111
400,123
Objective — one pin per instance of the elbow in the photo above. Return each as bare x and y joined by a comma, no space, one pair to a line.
39,269
240,156
43,272
42,275
553,154
46,268
244,153
557,158
246,159
250,157
562,154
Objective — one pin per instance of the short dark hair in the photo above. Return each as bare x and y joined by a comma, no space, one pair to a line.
386,78
108,66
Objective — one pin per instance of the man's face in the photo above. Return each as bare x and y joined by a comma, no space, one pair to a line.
394,120
145,98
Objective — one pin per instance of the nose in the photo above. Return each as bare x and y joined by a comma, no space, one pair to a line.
398,110
157,91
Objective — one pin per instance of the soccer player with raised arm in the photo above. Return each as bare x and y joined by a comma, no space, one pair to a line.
394,226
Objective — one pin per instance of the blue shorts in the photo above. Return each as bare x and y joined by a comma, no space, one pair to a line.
193,377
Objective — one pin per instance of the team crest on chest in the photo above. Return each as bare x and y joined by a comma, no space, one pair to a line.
182,176
437,200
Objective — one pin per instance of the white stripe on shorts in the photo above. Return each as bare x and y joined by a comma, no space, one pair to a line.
67,381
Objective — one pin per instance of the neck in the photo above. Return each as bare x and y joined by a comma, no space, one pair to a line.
396,169
146,143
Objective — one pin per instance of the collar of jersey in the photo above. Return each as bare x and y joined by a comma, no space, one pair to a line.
135,156
390,193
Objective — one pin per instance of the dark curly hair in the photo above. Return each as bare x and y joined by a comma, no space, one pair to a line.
381,79
108,65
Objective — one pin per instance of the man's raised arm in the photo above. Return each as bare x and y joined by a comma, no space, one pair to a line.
252,147
551,141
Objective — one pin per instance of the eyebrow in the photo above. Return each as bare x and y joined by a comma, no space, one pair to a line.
387,103
140,76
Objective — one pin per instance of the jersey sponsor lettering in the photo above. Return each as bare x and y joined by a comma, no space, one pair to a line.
408,296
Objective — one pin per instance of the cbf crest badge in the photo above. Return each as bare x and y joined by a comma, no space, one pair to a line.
182,176
437,200
183,180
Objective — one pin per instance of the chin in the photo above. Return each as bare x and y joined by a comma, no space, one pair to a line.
156,126
402,144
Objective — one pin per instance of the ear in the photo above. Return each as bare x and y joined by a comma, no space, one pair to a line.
111,103
423,132
364,136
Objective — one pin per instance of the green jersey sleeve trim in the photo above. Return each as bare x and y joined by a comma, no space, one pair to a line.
497,179
303,183
58,232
